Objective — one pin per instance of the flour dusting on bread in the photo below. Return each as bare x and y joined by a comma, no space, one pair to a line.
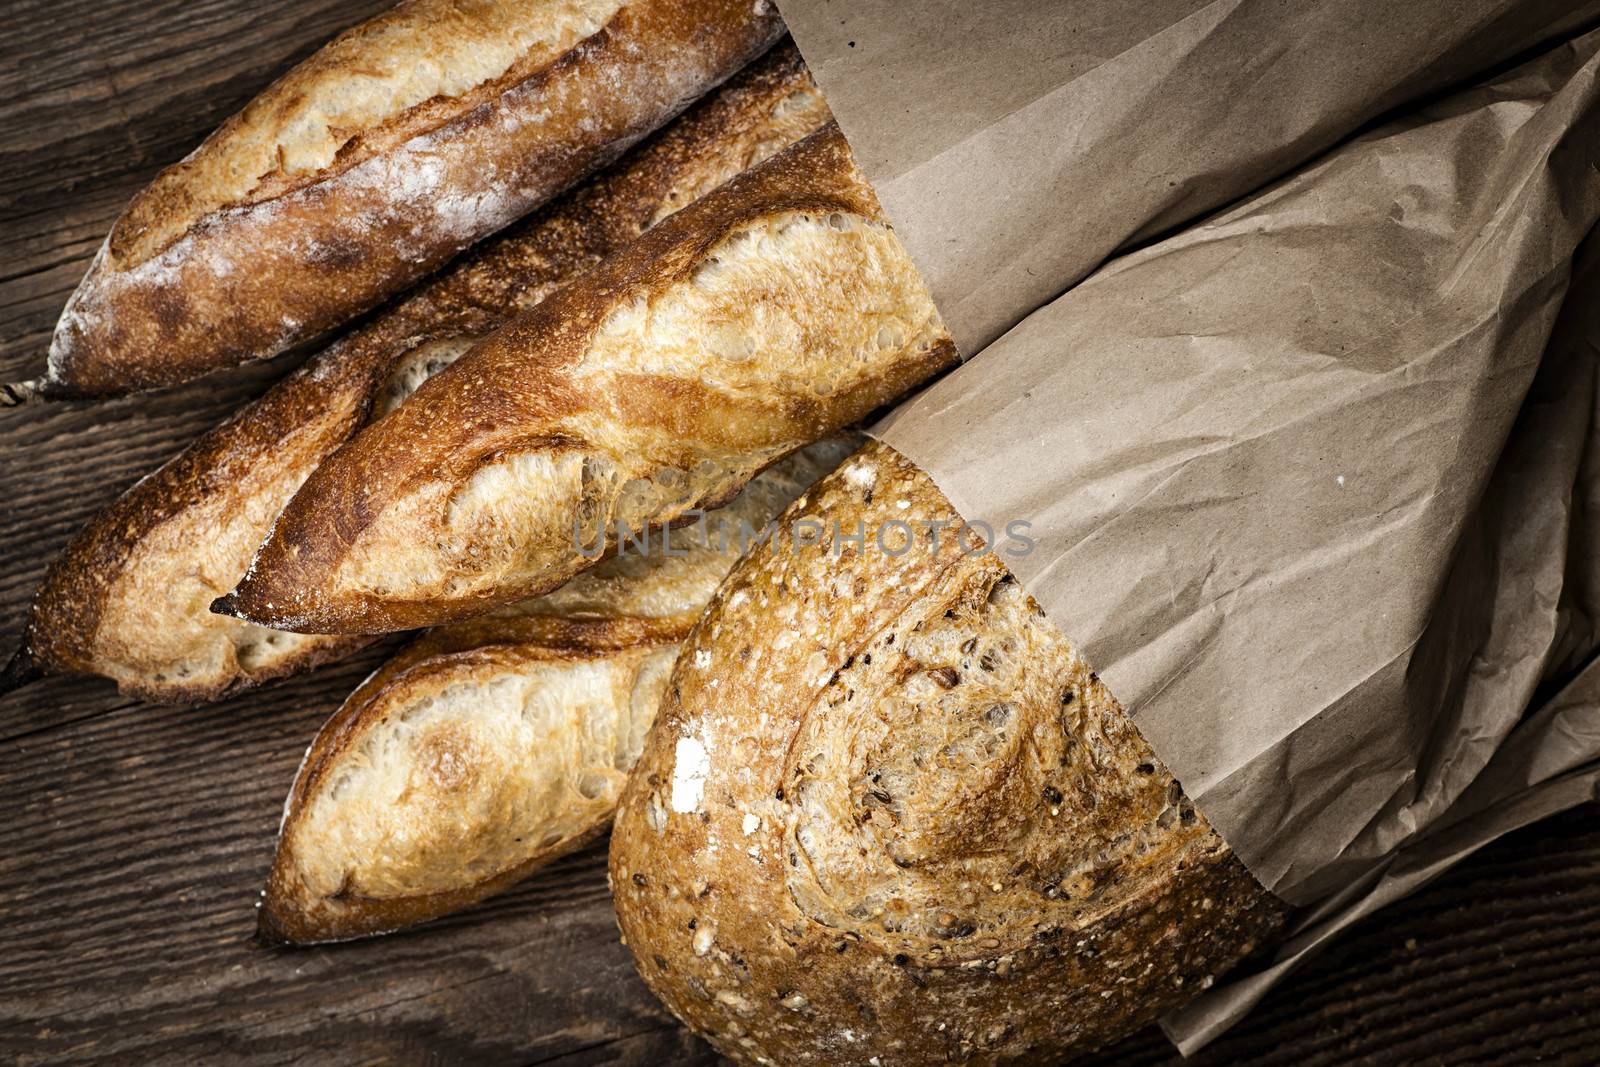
432,52
131,597
375,162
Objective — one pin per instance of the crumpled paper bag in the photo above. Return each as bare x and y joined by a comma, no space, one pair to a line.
1287,491
1529,552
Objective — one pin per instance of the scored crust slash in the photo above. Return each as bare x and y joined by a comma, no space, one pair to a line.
127,599
404,141
655,387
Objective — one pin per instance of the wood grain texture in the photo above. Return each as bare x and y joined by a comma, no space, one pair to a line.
134,839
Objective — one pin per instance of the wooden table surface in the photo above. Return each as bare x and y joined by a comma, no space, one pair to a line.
134,839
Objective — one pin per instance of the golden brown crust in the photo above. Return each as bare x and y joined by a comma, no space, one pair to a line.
887,814
109,604
487,749
461,781
127,598
399,74
760,318
186,285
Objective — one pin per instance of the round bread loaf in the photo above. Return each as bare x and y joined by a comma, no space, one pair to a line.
888,815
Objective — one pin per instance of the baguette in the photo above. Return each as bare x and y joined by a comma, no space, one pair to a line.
366,167
887,814
130,597
489,748
771,312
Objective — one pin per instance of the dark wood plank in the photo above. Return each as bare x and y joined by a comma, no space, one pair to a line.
135,838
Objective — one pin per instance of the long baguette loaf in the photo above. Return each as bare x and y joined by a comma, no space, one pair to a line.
399,144
130,597
771,312
887,813
489,748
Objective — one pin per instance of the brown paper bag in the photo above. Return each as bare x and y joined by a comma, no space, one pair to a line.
1253,461
1271,462
1530,556
1015,144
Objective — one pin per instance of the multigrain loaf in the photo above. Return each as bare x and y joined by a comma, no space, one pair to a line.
397,145
762,317
489,748
130,598
888,815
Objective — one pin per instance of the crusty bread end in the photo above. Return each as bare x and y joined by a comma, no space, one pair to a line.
130,598
373,163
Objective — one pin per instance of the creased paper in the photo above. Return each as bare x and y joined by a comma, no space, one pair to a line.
1533,538
1015,144
1313,480
1254,462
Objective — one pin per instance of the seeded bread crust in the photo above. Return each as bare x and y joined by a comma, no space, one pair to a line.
130,598
487,749
406,140
771,312
887,814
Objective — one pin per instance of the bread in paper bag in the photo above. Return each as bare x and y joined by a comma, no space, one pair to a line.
887,812
1212,439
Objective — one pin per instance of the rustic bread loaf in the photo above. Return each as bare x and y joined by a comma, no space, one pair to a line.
887,814
762,317
130,598
399,144
487,749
